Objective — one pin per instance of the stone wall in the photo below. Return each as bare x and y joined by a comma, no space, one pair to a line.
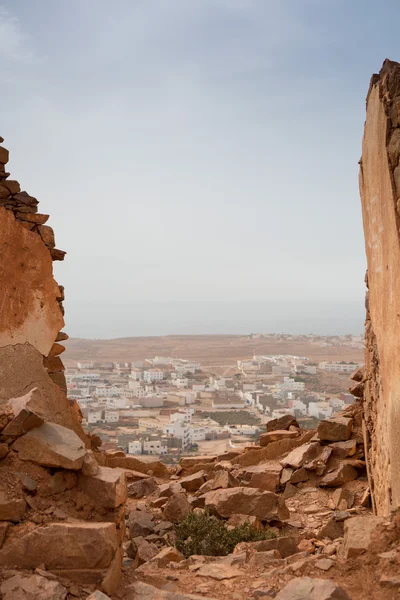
31,310
380,194
58,507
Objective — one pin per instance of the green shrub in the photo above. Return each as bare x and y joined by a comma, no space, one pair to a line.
205,534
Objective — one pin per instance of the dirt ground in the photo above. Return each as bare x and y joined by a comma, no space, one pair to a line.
219,351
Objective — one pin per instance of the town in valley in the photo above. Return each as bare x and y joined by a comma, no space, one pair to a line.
167,406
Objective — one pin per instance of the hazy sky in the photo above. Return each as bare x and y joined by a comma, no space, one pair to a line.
198,157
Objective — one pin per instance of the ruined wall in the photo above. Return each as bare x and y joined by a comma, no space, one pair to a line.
380,194
31,311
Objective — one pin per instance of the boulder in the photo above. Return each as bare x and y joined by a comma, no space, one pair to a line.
166,490
33,587
51,445
274,436
305,588
177,508
223,479
11,509
62,546
191,483
107,487
140,523
145,591
339,476
219,570
135,464
97,595
285,545
336,429
302,454
142,488
238,520
299,475
90,465
191,461
145,551
342,499
168,555
283,422
343,449
265,476
358,534
4,450
267,506
28,411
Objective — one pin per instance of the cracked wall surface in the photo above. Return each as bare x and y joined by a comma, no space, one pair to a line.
31,310
380,195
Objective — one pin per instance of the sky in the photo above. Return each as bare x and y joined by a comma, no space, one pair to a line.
198,158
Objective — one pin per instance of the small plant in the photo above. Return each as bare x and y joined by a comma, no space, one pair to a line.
205,534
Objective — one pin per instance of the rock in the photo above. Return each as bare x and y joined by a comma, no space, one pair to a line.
11,509
358,533
263,560
51,445
168,555
333,529
267,506
191,461
336,429
289,491
388,581
166,490
237,520
78,545
299,475
191,483
318,464
47,235
324,564
28,410
223,479
142,488
219,571
344,449
159,502
144,591
343,499
90,465
358,374
28,483
135,464
107,487
283,422
37,218
305,588
97,595
3,531
145,551
302,454
274,436
284,544
140,523
4,450
61,481
177,508
265,476
357,390
339,476
32,588
286,475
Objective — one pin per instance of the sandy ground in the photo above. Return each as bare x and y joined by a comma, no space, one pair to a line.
219,352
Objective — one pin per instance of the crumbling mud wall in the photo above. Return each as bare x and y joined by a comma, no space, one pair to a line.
380,194
31,311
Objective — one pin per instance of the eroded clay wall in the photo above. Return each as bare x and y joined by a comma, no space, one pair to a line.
31,311
380,194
